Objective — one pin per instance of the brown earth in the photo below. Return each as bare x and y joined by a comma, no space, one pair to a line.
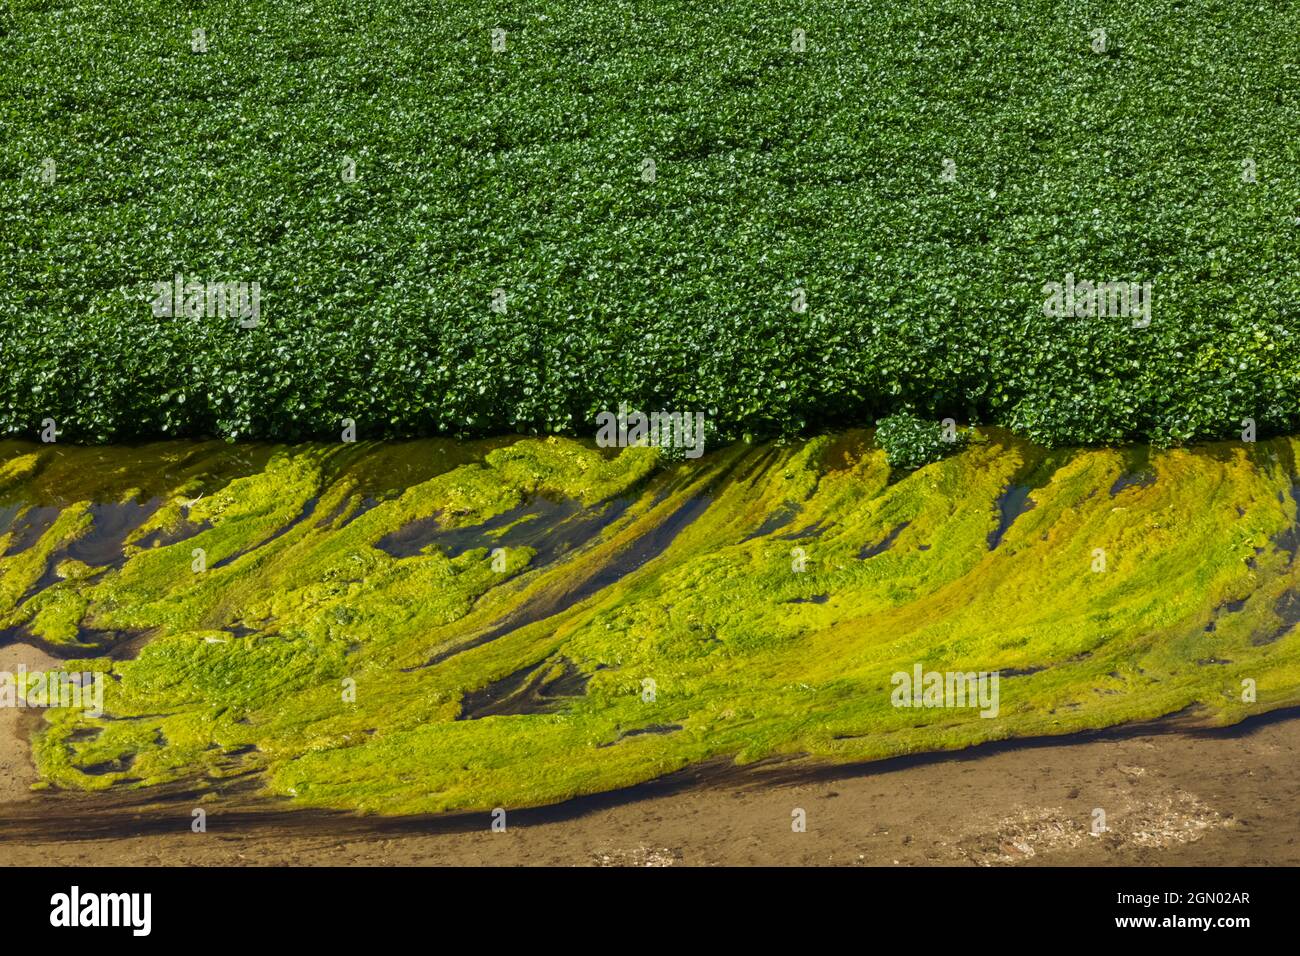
16,771
1172,797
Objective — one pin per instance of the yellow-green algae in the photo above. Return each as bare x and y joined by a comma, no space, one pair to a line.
689,582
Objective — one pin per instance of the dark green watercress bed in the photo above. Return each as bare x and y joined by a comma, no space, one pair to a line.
521,170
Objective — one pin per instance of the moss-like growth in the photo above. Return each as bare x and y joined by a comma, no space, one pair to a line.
424,627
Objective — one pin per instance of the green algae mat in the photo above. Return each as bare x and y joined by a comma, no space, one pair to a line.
429,626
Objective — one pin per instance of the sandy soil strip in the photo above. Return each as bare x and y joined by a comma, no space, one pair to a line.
16,773
1225,798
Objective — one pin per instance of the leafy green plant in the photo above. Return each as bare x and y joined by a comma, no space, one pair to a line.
776,170
910,442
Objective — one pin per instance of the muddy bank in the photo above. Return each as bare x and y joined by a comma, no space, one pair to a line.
16,725
1170,799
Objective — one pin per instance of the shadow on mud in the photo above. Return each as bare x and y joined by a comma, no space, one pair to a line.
238,811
